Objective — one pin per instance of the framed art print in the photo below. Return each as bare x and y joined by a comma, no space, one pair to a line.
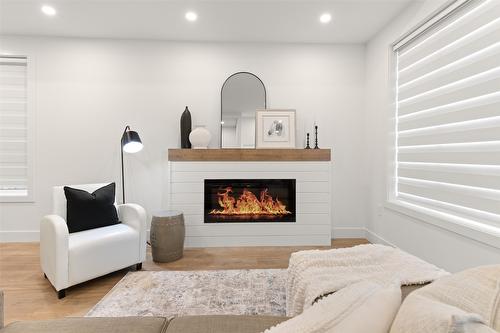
275,129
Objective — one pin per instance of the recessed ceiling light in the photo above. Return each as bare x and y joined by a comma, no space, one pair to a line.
49,10
325,18
191,16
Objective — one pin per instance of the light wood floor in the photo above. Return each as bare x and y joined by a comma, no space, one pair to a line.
29,296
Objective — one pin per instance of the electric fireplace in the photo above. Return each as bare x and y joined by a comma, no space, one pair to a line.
249,200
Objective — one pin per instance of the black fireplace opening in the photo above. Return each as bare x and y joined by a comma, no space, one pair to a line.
249,200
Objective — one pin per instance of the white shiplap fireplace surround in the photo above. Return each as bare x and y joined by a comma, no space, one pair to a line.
311,168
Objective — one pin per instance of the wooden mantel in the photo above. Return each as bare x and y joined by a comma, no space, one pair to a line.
249,154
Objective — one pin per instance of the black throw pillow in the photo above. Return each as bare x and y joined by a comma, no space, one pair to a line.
90,210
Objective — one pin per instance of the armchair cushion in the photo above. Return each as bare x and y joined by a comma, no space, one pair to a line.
90,210
92,253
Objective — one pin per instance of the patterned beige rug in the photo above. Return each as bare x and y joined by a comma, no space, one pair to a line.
175,293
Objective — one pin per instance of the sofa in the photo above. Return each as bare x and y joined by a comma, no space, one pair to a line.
475,292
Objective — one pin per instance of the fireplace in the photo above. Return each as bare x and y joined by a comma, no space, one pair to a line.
249,200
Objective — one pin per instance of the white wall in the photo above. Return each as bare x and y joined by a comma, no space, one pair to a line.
441,247
89,89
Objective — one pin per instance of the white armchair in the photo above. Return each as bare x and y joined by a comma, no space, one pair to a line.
68,259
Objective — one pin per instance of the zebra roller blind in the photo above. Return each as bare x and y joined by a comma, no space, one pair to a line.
14,173
448,116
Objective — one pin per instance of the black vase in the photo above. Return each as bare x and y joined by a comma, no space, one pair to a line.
185,128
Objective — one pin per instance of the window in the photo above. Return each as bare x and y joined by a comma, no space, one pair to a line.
15,131
448,116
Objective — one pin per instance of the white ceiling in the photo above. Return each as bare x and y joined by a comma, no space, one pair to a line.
353,21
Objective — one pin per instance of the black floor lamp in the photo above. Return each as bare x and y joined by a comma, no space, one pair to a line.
131,143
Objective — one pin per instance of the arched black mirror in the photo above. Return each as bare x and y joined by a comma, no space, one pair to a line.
242,94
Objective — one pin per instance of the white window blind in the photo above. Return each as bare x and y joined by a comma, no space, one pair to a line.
14,167
448,116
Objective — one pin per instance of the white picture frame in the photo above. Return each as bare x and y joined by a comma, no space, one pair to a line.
275,128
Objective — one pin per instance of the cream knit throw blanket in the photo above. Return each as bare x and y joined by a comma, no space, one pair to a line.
314,273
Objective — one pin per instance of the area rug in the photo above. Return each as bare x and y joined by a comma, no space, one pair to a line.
176,293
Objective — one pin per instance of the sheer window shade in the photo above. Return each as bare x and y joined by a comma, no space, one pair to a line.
14,168
448,116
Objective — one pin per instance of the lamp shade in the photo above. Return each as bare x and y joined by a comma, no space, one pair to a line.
131,142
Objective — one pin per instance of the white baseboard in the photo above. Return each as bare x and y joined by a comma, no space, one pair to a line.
376,239
348,233
19,236
371,236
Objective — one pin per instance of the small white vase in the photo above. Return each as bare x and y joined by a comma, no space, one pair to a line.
200,137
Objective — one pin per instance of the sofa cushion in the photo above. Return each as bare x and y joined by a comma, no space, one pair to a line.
90,325
86,210
468,301
420,314
361,307
223,324
405,291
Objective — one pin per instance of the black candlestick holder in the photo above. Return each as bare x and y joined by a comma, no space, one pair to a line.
307,145
316,137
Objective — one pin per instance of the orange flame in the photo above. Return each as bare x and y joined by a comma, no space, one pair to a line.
248,203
